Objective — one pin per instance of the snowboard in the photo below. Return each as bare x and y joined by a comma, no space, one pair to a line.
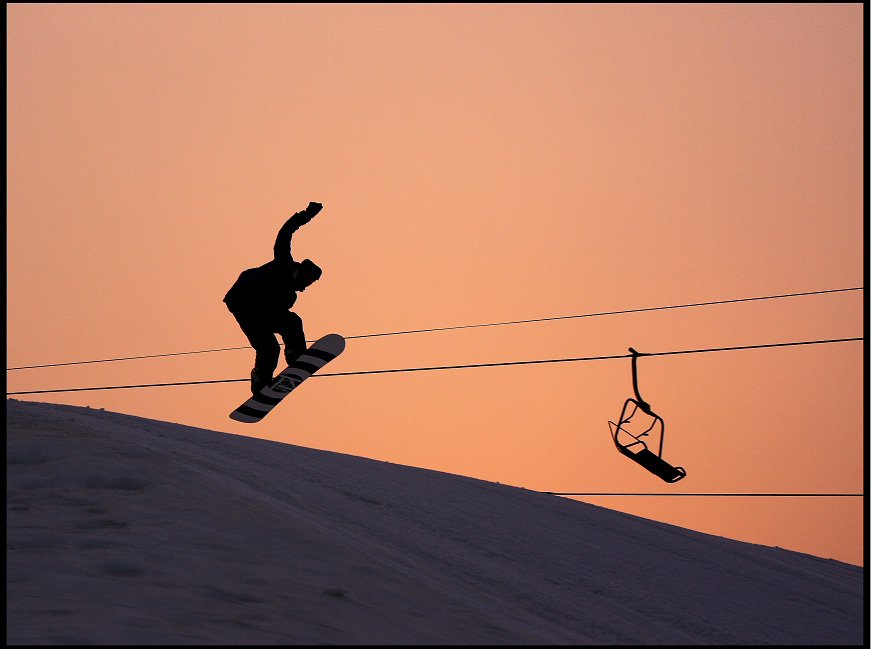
316,356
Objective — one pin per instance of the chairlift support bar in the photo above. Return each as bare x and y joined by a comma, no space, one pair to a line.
643,404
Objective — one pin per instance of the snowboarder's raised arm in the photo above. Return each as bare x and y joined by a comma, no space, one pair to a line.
282,248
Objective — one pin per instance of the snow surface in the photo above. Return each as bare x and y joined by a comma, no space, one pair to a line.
127,530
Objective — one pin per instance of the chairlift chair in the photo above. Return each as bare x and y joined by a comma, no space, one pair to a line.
631,444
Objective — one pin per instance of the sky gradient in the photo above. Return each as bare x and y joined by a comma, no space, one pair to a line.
477,164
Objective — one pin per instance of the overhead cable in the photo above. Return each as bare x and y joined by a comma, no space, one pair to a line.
451,328
458,367
731,495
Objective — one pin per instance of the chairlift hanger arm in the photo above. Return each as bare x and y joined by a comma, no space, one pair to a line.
644,405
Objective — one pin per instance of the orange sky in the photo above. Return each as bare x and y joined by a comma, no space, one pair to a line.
477,163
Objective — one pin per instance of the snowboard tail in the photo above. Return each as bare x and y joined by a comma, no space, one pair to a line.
316,356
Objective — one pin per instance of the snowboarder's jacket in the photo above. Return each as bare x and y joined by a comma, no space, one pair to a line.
269,288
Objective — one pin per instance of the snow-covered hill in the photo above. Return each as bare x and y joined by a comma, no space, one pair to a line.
127,530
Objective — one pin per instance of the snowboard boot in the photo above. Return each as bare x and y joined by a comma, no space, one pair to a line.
290,357
260,379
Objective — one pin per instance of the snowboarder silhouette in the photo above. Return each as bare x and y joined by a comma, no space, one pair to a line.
262,297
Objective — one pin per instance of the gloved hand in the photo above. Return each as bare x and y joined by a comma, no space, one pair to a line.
305,216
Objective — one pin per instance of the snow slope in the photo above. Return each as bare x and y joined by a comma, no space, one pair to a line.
127,530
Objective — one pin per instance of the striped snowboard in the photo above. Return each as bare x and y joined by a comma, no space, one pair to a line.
313,359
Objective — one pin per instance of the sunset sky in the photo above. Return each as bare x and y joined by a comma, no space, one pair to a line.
477,164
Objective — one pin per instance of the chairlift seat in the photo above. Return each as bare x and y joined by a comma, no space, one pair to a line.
648,460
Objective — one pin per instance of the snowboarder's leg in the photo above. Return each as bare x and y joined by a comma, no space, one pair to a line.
266,359
258,329
291,329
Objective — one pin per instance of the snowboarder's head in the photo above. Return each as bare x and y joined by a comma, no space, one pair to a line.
305,274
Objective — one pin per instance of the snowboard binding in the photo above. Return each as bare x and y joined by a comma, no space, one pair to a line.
636,414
